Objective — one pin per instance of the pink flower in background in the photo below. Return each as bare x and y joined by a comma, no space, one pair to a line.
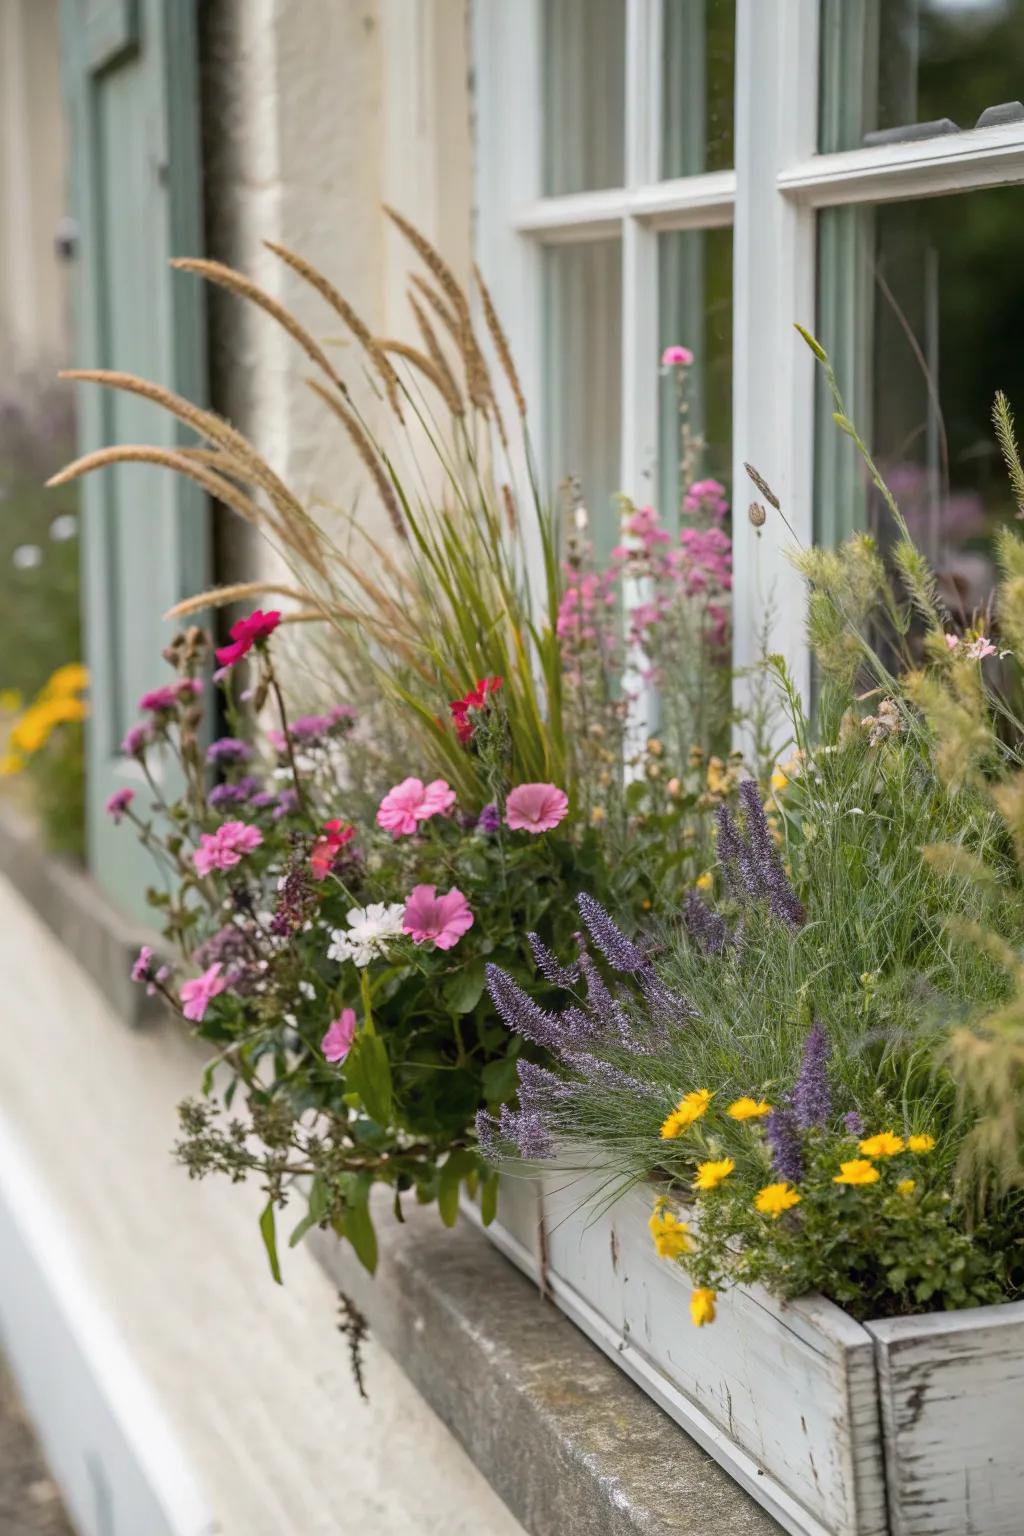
142,967
535,807
441,920
136,741
325,850
412,801
118,803
952,641
475,700
337,1042
706,496
197,995
980,648
159,699
225,848
247,633
676,357
645,525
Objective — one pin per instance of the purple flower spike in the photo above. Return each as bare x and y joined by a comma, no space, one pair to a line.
489,819
812,1097
519,1011
784,1139
707,929
563,976
621,953
853,1123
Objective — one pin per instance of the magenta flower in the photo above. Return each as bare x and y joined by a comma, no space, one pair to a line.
136,741
432,919
197,995
707,496
225,848
412,801
142,968
676,357
337,1042
250,631
535,807
118,803
158,700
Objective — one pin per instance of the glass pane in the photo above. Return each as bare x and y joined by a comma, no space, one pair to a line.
888,65
584,64
583,375
921,309
695,413
698,77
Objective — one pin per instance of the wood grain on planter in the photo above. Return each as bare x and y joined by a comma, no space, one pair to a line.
952,1399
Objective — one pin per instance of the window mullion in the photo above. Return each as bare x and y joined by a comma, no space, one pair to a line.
773,374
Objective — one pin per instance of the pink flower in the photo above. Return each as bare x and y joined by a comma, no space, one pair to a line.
337,1042
247,633
142,966
475,700
159,699
706,495
118,803
676,357
980,648
409,803
197,995
136,741
441,920
952,641
224,848
325,850
535,807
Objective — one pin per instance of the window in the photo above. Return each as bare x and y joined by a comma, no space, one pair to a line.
712,171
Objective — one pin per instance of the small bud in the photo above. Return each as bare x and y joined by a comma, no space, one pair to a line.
654,746
598,816
757,514
674,788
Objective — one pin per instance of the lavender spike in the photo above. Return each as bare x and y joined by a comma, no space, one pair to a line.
784,1139
563,976
706,928
621,953
853,1123
812,1097
526,1129
519,1011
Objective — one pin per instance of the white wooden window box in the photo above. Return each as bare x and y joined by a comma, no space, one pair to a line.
905,1427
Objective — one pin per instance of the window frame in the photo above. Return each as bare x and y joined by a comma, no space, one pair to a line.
771,198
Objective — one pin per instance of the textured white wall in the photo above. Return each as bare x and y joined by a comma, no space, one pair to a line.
316,113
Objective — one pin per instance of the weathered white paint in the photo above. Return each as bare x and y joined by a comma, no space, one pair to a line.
952,1396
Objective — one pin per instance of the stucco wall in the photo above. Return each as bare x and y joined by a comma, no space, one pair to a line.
316,113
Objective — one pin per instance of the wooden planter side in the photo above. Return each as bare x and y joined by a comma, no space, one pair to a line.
952,1400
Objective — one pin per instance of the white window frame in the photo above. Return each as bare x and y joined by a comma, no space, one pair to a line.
771,198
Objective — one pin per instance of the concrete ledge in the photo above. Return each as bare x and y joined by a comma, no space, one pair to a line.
102,941
570,1444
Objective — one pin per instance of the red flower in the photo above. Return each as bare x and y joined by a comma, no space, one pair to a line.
476,698
247,633
325,850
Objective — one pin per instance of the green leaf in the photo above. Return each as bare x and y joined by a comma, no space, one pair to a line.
815,345
357,1226
489,1199
302,1227
368,1071
465,988
268,1232
456,1166
499,1079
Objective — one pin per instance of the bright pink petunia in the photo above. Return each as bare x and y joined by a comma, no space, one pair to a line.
325,850
197,995
535,807
118,803
247,633
433,919
225,848
412,801
337,1042
475,699
676,357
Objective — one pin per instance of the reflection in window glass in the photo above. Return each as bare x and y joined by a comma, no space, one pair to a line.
887,64
583,370
698,76
584,66
922,310
694,311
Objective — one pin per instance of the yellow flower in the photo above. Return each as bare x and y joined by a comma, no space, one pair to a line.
920,1143
717,777
669,1233
654,746
598,816
711,1174
36,725
702,1306
10,764
748,1109
776,1198
10,701
779,780
885,1144
906,1187
705,881
857,1171
690,1108
68,680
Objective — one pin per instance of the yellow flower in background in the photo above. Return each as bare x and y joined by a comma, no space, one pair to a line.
669,1233
885,1144
10,701
779,780
906,1187
10,764
920,1143
702,1306
68,680
748,1109
705,881
857,1171
690,1108
711,1174
776,1198
718,778
33,730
